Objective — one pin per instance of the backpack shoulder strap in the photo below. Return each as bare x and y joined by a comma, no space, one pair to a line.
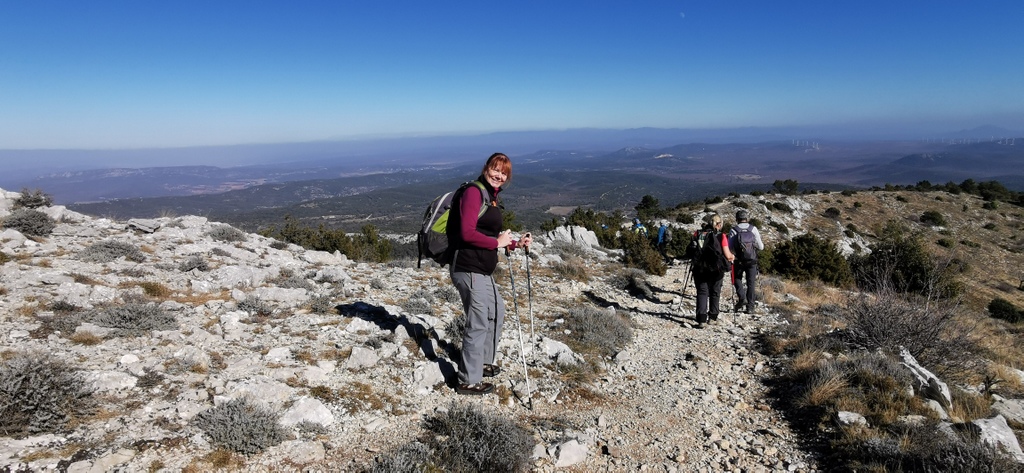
486,196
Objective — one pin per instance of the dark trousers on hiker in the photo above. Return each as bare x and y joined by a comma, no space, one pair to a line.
709,292
747,295
485,315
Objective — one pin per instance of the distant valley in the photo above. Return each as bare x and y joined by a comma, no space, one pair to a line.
388,182
393,199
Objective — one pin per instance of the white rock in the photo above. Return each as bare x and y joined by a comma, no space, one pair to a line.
309,410
570,453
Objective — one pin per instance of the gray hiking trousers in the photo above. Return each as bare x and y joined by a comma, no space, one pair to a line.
747,293
485,316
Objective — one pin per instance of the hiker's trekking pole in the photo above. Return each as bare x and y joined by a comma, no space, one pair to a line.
686,279
529,291
519,326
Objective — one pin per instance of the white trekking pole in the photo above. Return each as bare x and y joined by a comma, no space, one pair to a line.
529,293
519,327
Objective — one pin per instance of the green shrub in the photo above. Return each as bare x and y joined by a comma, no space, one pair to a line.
832,213
848,192
466,439
782,207
32,199
900,261
1003,309
241,426
990,205
808,257
133,318
594,330
638,252
603,225
413,457
932,217
226,233
39,394
110,250
30,222
366,246
945,242
989,226
685,218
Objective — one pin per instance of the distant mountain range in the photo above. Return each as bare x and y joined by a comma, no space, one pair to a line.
392,196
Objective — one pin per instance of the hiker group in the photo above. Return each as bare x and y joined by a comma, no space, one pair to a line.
713,254
463,230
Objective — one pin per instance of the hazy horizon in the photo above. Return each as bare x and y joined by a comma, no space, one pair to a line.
121,75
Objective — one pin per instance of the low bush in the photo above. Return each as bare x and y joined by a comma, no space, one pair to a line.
933,217
929,330
808,257
255,306
196,262
321,304
900,261
594,330
39,394
574,269
30,222
110,250
32,199
287,278
226,233
133,318
466,439
1003,309
449,294
633,281
241,426
832,213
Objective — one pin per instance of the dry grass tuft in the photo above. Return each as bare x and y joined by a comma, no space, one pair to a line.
86,338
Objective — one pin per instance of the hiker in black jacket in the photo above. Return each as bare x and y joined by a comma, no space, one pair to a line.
709,250
745,242
474,240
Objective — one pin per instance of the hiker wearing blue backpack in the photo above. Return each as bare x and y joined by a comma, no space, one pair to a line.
474,238
745,242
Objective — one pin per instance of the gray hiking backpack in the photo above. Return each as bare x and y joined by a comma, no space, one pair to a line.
747,244
432,239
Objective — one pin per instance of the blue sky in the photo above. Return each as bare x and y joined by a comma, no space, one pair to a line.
130,74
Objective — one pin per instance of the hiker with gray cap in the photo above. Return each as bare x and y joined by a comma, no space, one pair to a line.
745,242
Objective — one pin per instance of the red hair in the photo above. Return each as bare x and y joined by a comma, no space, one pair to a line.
501,163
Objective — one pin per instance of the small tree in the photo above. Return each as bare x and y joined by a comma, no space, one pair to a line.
809,257
786,187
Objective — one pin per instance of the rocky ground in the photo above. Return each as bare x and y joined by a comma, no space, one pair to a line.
353,378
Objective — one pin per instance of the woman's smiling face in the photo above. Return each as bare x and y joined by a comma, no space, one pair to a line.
495,177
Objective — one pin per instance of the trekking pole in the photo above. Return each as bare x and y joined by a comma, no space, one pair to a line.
686,279
519,327
529,292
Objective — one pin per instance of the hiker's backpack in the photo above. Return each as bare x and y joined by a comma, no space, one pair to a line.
706,251
432,240
747,244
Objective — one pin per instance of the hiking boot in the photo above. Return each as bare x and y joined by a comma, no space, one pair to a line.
750,308
738,307
475,389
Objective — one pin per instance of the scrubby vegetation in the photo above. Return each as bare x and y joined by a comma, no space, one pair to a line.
29,222
241,426
805,258
1003,309
110,250
227,233
33,199
365,246
39,394
600,331
464,439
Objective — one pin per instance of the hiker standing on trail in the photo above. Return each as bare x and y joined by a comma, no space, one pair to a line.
474,239
664,238
709,250
745,242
